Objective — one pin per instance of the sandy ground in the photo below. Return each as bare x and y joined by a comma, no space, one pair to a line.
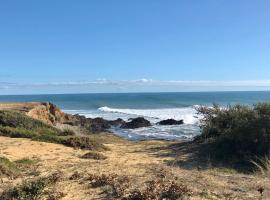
140,161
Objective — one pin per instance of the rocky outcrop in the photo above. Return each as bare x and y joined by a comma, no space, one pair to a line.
136,123
96,124
43,111
50,114
171,122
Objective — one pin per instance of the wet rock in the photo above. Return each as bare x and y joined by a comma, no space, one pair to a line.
98,124
171,122
136,123
117,123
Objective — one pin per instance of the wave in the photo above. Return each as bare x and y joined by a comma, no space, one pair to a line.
188,114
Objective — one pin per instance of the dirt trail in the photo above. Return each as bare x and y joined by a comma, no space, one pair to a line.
140,161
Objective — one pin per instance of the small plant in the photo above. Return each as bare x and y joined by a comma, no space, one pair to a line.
8,168
84,143
14,169
118,184
159,190
67,132
94,155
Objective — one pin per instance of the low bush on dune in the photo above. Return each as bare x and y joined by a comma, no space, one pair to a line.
31,190
84,143
7,168
18,125
94,156
13,169
120,187
239,132
17,119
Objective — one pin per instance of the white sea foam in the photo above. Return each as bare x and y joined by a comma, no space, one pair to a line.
188,114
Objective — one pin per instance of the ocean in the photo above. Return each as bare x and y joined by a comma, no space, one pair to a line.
152,106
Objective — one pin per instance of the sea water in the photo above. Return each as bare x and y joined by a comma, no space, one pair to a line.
152,106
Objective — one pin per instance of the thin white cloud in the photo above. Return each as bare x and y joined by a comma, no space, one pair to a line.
147,82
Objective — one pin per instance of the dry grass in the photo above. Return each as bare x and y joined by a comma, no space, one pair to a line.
262,165
145,163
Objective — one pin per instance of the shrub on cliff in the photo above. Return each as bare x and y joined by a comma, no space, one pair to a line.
14,119
241,132
18,125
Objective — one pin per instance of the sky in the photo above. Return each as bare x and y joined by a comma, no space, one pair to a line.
68,46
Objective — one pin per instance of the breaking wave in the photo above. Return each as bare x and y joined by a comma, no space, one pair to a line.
188,114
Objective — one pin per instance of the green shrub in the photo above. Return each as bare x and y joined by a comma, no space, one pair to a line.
16,132
67,132
240,132
13,169
20,120
18,125
7,168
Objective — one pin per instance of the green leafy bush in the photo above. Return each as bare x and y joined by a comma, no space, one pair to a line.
241,132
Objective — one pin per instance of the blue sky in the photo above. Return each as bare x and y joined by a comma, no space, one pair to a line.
134,46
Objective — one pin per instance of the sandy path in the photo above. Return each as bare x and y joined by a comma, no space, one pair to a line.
136,160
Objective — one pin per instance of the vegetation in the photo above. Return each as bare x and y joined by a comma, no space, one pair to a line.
14,119
159,190
236,133
30,190
94,155
13,169
155,190
18,125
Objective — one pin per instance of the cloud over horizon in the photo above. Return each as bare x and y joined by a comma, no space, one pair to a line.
137,85
146,82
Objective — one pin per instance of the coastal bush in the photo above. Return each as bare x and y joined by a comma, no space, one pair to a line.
18,125
67,132
117,184
159,190
239,131
13,169
84,143
7,168
30,190
16,119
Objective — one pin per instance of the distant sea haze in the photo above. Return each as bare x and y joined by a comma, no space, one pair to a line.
152,106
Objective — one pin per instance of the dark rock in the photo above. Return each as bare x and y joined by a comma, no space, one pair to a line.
116,123
95,125
136,123
98,124
171,122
